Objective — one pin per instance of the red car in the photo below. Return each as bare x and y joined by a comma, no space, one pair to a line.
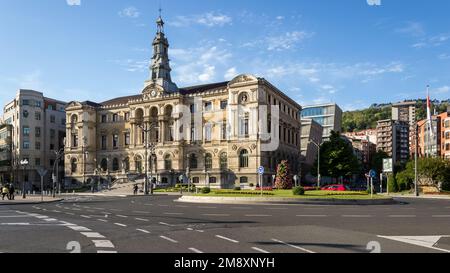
335,188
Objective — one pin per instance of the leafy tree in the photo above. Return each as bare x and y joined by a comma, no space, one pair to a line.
377,161
284,179
429,170
337,158
392,183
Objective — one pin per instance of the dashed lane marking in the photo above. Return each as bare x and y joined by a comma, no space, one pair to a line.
103,244
79,228
102,220
258,215
357,216
318,215
57,211
143,230
260,250
227,239
119,224
106,252
169,239
92,234
50,220
195,250
166,224
293,246
69,213
122,216
141,219
85,216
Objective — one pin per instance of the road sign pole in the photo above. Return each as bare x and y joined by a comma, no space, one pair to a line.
42,188
260,184
381,182
371,187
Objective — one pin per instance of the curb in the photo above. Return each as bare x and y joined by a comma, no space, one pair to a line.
31,203
286,201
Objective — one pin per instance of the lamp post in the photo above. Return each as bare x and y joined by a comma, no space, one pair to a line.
146,129
416,178
59,154
24,163
318,160
85,153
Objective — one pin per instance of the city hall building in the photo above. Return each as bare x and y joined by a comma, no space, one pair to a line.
216,134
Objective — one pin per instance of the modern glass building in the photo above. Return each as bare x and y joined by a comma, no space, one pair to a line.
327,115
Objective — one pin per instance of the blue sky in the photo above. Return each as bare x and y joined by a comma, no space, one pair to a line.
343,51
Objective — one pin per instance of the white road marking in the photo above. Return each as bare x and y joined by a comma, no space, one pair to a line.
84,216
201,231
119,224
67,223
137,211
307,215
121,216
402,216
69,213
103,243
50,220
357,216
227,239
423,241
16,216
15,224
92,234
195,250
165,224
79,228
293,246
169,239
102,220
105,252
190,229
41,217
143,230
141,219
173,213
57,211
260,250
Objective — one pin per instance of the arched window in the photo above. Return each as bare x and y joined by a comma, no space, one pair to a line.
223,161
104,165
208,161
73,165
138,164
243,159
126,164
115,165
139,116
193,161
167,163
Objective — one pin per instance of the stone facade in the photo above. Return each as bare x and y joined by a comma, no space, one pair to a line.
216,133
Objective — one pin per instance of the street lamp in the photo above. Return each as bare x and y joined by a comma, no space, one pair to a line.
59,154
318,160
145,128
85,153
24,163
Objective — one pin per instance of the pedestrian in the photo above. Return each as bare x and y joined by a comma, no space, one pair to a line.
12,190
135,189
5,192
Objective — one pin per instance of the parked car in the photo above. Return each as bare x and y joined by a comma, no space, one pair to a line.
335,188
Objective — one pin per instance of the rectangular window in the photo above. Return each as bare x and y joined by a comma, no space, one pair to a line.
52,134
38,145
127,116
52,119
37,115
115,118
37,162
115,141
74,141
26,145
208,106
127,139
193,134
244,129
104,119
223,104
208,133
38,104
193,108
25,102
26,131
103,142
52,147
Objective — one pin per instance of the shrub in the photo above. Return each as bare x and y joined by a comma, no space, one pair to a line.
283,179
206,190
392,183
403,181
264,188
237,188
298,191
446,186
251,185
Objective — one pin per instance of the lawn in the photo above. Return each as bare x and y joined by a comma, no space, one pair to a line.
350,195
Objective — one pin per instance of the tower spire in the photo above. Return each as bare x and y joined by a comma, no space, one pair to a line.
160,67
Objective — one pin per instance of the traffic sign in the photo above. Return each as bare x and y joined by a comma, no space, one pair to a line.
373,173
41,171
261,170
387,165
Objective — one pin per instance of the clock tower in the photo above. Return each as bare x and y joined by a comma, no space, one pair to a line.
160,67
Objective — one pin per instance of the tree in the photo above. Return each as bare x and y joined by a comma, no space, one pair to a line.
284,179
392,183
430,172
337,158
377,161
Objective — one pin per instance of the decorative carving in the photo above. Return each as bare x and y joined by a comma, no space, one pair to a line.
253,147
234,147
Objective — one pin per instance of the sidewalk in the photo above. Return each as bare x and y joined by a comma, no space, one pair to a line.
421,196
31,199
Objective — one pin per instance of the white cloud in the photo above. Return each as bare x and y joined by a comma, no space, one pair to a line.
130,12
433,41
231,73
442,90
209,19
287,41
73,2
412,28
444,56
280,17
208,74
391,68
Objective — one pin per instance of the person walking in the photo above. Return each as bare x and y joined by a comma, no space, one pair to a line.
12,190
135,189
5,192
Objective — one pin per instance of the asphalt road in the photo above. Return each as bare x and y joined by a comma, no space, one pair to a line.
157,224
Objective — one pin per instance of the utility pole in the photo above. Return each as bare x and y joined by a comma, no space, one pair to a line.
416,183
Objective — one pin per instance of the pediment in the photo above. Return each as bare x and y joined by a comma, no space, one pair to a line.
243,78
